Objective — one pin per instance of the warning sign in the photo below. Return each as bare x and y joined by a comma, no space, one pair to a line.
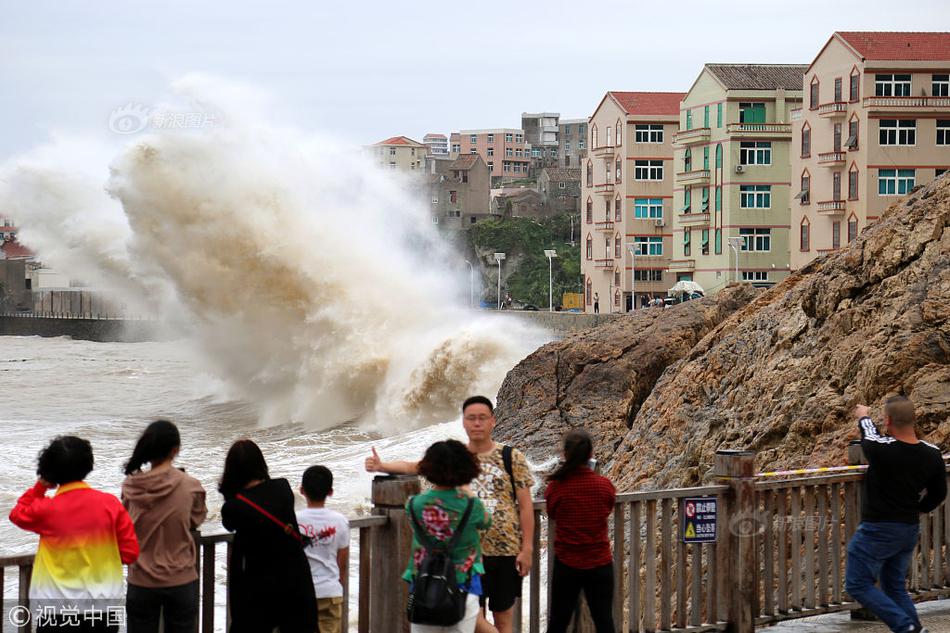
699,519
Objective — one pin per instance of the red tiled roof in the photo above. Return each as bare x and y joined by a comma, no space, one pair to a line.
892,45
465,161
649,102
398,140
12,249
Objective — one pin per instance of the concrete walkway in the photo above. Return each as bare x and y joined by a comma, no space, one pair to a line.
934,615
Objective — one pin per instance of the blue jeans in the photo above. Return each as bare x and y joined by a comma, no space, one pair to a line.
882,551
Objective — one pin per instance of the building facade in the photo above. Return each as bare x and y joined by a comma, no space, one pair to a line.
400,153
560,190
732,182
438,144
626,198
459,190
541,133
504,150
572,142
875,123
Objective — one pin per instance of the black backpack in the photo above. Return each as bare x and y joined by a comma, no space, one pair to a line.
436,598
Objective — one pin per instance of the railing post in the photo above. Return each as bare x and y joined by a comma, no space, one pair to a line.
736,469
390,553
856,458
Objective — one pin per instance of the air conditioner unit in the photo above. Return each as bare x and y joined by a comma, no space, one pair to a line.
740,169
658,222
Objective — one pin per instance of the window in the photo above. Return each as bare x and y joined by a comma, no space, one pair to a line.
718,199
456,148
838,88
813,94
491,151
617,243
562,185
606,209
751,113
689,119
852,142
718,241
648,170
706,157
687,247
719,155
756,240
453,197
509,152
491,138
755,275
718,115
704,242
508,138
803,194
705,207
491,166
473,138
590,174
392,165
755,153
898,132
836,186
590,211
590,248
609,133
619,133
472,151
895,182
506,165
536,152
392,151
705,116
567,148
608,169
648,208
687,200
588,290
648,133
617,278
606,247
618,210
519,138
804,236
688,160
892,85
593,137
836,235
648,274
553,152
943,132
619,169
472,220
652,246
806,142
852,229
581,142
940,86
755,196
855,79
853,183
837,137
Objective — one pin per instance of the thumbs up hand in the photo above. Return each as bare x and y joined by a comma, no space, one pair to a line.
374,463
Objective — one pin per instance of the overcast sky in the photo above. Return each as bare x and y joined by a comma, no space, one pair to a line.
369,70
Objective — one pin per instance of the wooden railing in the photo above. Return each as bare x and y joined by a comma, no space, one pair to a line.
779,554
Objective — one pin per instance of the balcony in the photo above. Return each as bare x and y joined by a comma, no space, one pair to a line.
682,265
696,177
604,225
831,159
694,219
604,264
776,131
604,188
831,207
604,151
920,103
833,110
691,137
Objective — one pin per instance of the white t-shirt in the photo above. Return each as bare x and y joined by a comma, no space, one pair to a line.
330,532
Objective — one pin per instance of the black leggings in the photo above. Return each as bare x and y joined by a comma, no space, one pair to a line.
178,605
566,586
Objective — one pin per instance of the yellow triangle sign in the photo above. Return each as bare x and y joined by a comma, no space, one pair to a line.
690,532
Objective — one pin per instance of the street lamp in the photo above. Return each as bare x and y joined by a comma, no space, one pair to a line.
471,284
498,258
735,243
550,254
633,275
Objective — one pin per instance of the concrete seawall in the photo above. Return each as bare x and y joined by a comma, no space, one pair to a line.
102,330
561,322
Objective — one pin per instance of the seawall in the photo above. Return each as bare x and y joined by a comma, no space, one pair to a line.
102,330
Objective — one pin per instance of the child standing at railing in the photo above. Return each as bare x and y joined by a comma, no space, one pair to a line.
579,501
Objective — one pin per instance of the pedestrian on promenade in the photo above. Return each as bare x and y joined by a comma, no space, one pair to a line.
596,303
579,501
329,549
504,486
438,514
905,477
165,505
269,583
85,538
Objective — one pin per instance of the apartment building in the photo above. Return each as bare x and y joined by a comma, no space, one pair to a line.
400,153
732,184
8,229
438,144
560,190
875,123
626,198
572,142
459,190
504,150
541,131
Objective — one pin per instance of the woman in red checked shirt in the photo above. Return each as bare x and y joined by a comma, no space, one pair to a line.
579,501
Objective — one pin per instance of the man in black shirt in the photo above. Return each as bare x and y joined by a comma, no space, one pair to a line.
905,477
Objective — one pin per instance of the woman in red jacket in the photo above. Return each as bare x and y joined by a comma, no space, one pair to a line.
579,501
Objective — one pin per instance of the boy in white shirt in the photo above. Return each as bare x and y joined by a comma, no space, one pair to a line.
329,552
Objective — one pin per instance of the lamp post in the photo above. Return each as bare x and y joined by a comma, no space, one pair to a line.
498,258
550,254
471,284
633,276
735,243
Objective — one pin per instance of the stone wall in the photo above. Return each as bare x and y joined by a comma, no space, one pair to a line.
102,330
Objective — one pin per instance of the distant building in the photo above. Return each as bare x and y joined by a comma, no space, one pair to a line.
875,123
400,153
438,144
7,229
541,133
459,190
455,145
521,202
504,150
560,190
572,142
732,175
10,248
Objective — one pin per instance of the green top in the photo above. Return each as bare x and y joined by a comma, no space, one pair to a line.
439,512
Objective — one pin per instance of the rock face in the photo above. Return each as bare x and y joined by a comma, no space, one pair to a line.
778,376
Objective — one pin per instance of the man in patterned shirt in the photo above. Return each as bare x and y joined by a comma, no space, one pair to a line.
507,545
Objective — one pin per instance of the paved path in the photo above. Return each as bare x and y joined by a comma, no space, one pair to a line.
935,616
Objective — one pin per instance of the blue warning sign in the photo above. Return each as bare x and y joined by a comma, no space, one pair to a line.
698,519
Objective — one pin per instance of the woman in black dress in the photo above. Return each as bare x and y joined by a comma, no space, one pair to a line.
269,583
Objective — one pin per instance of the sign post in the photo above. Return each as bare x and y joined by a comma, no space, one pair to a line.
700,515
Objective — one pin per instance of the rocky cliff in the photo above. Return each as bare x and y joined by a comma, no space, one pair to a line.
777,373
